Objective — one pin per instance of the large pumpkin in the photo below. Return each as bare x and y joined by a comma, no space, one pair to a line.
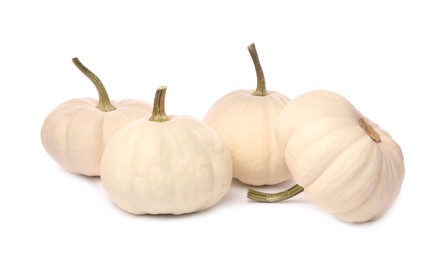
346,164
246,120
166,164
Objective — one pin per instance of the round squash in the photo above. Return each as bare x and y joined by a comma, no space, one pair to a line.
75,133
246,119
346,164
166,165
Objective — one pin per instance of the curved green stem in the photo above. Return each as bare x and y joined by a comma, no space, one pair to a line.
104,103
274,197
158,114
261,82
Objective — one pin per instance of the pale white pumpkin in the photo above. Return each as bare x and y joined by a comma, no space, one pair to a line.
346,164
246,119
166,165
75,133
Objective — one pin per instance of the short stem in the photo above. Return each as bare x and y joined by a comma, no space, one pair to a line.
104,103
274,197
369,130
261,82
158,114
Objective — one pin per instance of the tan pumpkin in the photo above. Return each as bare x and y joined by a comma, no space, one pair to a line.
75,133
346,164
166,165
246,119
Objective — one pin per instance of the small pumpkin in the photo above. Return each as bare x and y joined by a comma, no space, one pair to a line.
75,133
246,119
345,163
166,165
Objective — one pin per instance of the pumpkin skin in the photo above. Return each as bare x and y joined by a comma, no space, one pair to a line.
175,166
75,133
343,169
247,123
246,120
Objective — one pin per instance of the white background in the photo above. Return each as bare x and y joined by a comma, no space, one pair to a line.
384,56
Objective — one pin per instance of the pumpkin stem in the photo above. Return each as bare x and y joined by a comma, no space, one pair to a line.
261,82
274,197
104,103
158,114
369,130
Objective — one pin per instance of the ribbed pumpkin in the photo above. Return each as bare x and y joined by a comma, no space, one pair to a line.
246,120
346,164
166,165
75,133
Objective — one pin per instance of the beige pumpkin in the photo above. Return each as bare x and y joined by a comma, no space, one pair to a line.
246,119
75,133
166,165
346,164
